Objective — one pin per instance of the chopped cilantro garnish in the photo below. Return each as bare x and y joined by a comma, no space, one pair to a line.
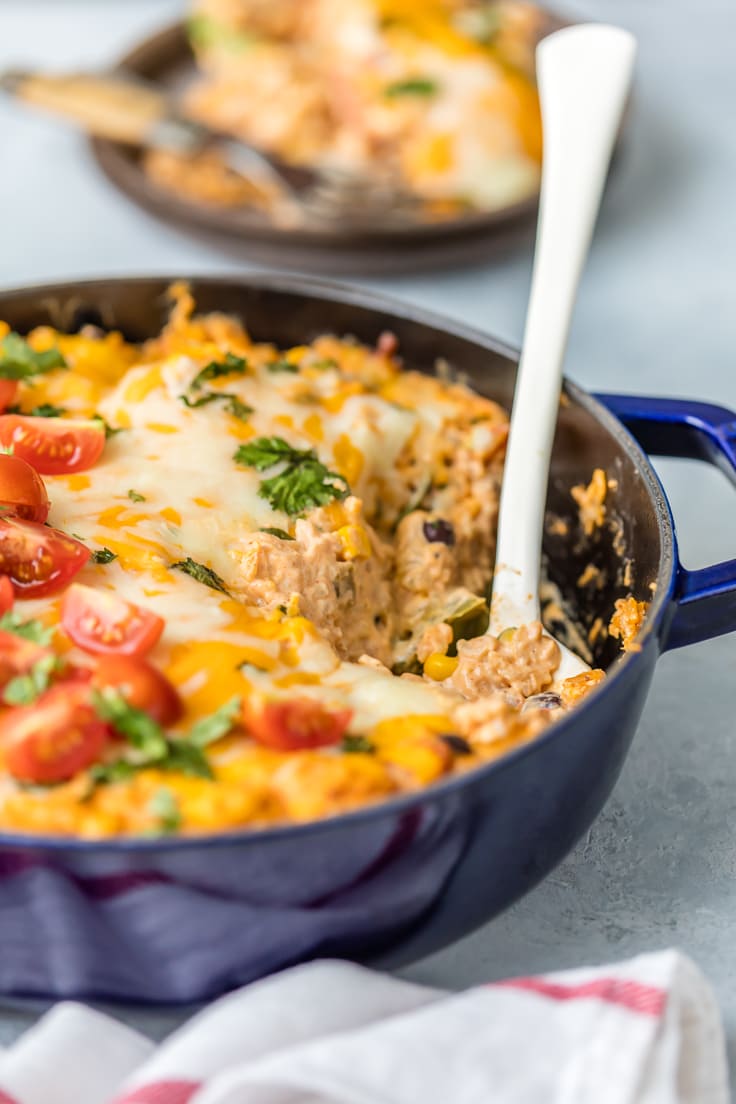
110,431
231,366
282,365
44,410
24,689
201,573
212,728
104,556
18,361
135,497
351,745
305,482
237,408
412,86
164,807
30,630
233,405
150,746
275,532
140,730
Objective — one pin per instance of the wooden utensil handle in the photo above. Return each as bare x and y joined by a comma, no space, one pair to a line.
107,107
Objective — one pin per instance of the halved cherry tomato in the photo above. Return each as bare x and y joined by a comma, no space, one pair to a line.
38,559
7,594
141,684
18,655
296,724
8,391
53,446
100,622
53,739
22,491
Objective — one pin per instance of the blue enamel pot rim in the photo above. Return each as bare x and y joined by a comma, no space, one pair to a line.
332,291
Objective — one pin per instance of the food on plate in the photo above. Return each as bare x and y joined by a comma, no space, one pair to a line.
435,95
243,585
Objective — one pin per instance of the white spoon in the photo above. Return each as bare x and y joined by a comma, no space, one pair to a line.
584,75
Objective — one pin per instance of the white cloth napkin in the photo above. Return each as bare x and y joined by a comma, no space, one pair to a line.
646,1031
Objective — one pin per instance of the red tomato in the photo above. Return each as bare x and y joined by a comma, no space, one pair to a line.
18,655
22,492
8,391
141,684
38,559
296,724
7,594
100,622
53,739
53,446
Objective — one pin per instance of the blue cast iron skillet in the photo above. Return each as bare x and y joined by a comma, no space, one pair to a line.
180,920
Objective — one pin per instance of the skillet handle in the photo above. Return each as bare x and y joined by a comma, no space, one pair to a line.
706,599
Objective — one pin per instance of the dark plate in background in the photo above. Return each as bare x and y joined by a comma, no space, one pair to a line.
166,59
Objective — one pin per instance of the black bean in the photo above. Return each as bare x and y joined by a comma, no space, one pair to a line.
439,531
456,743
543,701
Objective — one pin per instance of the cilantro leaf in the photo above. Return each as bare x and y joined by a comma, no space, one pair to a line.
18,361
140,730
29,630
351,745
280,533
201,573
119,770
264,452
231,366
187,758
212,728
304,483
24,689
44,410
303,487
135,497
104,556
164,806
412,86
282,365
237,408
233,405
151,747
208,397
110,431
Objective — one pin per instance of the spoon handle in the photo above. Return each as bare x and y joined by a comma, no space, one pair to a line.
584,74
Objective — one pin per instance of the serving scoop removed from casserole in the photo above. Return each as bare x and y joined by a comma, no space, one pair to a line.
245,585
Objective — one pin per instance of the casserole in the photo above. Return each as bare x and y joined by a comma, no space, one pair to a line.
182,919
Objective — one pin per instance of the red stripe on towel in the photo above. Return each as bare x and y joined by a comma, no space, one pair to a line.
645,999
160,1092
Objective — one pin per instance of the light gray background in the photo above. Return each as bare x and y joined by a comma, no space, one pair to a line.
656,314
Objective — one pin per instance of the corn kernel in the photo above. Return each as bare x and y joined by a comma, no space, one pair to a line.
354,541
506,635
439,666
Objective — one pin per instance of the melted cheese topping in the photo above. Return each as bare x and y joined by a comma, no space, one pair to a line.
168,489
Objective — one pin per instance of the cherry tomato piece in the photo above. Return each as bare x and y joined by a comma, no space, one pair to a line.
142,685
100,622
39,560
53,446
8,391
54,738
18,655
296,724
22,491
7,594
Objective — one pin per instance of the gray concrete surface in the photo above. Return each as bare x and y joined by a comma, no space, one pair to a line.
656,315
